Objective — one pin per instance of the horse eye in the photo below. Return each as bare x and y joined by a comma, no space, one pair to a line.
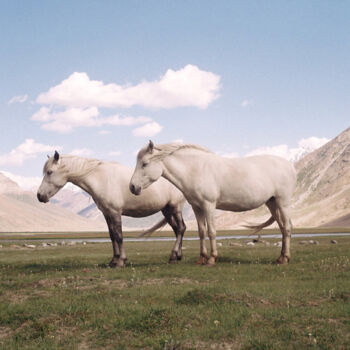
49,172
144,165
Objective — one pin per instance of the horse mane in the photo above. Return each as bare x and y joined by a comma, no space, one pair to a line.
170,148
76,167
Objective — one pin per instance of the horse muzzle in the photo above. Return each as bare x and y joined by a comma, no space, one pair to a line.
136,190
42,198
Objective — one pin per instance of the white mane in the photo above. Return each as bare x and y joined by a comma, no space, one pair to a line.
76,167
170,148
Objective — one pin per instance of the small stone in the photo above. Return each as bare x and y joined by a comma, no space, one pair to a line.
15,246
219,244
71,243
44,244
314,242
303,242
52,244
84,243
0,245
250,243
31,246
278,244
234,244
333,241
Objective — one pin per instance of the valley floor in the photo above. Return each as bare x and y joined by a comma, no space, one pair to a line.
66,297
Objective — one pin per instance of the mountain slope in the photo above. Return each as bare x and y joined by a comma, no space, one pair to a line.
21,211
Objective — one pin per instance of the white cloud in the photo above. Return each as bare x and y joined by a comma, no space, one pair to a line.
305,146
246,103
82,152
124,121
18,99
185,87
147,130
26,183
65,121
104,132
28,149
115,153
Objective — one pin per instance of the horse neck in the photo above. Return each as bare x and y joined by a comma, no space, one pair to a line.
85,181
177,170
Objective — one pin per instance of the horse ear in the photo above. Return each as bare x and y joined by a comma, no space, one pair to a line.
150,146
48,156
56,156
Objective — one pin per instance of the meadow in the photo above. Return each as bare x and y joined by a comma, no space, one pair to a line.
66,297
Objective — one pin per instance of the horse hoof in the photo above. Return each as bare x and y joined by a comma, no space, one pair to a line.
212,260
179,257
172,261
201,260
113,264
282,260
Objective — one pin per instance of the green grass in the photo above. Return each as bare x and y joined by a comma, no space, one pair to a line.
67,298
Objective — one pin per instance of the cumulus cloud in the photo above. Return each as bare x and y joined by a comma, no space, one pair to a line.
305,146
27,150
185,87
82,152
147,130
65,121
75,102
18,99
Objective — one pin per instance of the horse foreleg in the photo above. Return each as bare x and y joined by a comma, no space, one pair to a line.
114,223
116,252
212,235
203,255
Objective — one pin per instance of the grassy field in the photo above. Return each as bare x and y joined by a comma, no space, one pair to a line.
66,297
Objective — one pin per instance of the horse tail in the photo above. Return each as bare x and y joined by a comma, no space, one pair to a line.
157,226
258,228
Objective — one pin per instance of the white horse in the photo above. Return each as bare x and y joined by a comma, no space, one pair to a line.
209,181
107,183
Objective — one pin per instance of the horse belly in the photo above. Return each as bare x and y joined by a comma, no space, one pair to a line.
239,206
141,212
242,200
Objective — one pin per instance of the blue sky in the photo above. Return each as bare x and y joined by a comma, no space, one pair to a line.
100,78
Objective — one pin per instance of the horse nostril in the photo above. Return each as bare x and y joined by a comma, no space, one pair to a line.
132,188
39,197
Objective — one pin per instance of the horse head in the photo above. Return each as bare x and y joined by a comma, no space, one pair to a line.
54,178
148,169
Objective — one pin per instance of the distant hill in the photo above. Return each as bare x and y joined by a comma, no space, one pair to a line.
21,211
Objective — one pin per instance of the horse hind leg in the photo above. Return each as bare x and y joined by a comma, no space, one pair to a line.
175,220
281,213
181,228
